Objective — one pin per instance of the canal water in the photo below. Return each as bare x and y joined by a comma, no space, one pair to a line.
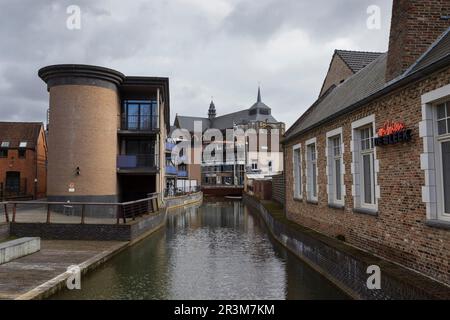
219,250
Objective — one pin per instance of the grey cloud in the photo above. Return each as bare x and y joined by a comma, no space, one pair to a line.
204,52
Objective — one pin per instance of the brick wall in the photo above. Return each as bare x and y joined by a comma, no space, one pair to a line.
415,25
338,71
278,188
398,232
31,167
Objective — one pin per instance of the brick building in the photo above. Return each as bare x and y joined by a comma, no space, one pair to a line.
369,161
230,174
23,160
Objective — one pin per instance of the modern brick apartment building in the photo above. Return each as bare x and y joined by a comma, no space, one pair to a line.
106,135
23,160
369,161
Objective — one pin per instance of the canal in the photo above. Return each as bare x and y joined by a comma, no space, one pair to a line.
219,250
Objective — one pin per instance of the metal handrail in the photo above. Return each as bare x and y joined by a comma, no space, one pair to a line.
138,207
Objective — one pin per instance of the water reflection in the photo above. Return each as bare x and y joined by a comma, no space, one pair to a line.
219,250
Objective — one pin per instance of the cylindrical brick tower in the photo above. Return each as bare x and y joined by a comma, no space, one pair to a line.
82,137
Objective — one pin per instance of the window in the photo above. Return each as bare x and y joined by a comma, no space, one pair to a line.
364,166
22,153
297,170
443,156
336,188
311,167
139,115
4,149
367,169
269,164
254,164
22,150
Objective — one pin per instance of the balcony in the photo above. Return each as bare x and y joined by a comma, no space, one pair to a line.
182,174
171,170
138,163
139,124
170,146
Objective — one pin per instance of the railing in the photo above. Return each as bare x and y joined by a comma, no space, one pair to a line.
139,122
137,161
182,173
171,169
175,192
170,146
64,212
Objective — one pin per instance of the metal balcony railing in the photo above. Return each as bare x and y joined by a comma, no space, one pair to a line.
171,169
137,161
139,122
182,173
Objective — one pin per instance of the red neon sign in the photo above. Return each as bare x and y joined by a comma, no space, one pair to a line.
390,128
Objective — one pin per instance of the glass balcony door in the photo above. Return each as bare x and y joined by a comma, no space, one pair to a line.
139,115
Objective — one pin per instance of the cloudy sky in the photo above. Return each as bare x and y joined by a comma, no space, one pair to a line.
219,48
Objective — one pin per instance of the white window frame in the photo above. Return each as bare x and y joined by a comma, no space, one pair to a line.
357,185
431,158
309,180
331,167
297,191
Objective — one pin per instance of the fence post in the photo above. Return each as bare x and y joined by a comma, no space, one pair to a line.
118,214
82,213
14,212
6,212
48,213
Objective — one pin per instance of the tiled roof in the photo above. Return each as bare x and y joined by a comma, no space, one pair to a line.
357,60
436,52
16,132
355,88
362,85
223,122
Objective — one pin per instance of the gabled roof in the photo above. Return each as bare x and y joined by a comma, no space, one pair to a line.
17,132
186,122
357,60
369,83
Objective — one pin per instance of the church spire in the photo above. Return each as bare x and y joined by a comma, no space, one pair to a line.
259,94
212,110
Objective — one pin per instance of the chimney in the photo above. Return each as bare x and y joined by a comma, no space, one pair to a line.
415,25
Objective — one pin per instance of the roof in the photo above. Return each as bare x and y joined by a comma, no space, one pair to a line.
357,60
185,122
223,122
437,51
367,83
228,120
16,132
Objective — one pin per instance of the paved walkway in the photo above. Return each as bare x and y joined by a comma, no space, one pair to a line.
31,276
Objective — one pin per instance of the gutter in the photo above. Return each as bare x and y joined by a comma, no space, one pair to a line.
421,73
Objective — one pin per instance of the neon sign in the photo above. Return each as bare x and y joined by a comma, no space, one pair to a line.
392,133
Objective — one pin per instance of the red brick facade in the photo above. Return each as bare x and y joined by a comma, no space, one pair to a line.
32,166
398,232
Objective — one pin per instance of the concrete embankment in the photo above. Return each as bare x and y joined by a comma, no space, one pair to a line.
344,265
41,274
